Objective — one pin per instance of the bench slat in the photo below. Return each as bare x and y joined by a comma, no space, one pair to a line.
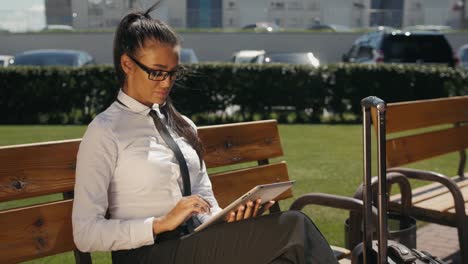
431,190
228,186
443,202
36,231
237,143
452,210
428,215
37,169
417,114
413,148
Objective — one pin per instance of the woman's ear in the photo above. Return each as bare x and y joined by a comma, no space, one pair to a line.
126,64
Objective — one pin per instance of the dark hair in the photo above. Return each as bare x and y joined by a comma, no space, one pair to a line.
134,29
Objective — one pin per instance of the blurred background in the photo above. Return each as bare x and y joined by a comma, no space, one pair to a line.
325,27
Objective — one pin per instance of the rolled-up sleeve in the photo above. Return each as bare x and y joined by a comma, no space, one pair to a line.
96,162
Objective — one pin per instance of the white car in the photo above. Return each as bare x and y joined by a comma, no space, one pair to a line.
263,27
247,56
306,58
188,56
5,60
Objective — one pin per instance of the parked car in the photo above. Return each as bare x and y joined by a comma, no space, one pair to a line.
53,57
5,60
428,28
379,28
288,57
246,56
463,55
263,27
59,27
188,56
401,47
330,27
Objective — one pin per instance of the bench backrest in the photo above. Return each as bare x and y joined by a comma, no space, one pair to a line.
432,136
46,168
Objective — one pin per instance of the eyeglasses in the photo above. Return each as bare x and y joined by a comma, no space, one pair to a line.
160,75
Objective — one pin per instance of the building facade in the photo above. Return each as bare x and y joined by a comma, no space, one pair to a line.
106,13
294,13
238,13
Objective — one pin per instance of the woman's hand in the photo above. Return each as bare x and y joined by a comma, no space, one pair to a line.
184,209
248,210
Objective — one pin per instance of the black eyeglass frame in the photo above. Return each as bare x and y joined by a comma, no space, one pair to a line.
179,73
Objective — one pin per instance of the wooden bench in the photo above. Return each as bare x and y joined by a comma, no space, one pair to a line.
441,128
34,170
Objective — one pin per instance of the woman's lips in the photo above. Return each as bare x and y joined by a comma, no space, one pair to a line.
161,93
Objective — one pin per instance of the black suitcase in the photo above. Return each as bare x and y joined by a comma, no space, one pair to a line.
381,251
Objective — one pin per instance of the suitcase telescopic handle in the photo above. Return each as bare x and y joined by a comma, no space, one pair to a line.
377,103
373,101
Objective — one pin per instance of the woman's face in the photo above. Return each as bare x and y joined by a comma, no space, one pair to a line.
156,57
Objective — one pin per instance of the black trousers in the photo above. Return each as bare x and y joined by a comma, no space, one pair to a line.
286,237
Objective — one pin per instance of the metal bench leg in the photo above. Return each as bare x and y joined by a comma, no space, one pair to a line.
463,239
82,257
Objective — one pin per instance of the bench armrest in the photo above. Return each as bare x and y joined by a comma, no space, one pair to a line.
340,202
446,181
331,200
392,178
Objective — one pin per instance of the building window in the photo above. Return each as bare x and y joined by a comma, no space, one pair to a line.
295,22
278,21
416,6
95,11
111,4
277,5
314,5
294,5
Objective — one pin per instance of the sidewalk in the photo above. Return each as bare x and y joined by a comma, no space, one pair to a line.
440,241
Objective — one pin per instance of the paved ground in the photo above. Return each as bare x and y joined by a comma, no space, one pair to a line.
440,241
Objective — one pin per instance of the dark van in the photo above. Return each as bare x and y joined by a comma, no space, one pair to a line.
402,47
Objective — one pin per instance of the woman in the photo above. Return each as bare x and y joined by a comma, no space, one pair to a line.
155,192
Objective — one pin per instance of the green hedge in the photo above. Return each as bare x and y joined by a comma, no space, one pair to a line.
286,92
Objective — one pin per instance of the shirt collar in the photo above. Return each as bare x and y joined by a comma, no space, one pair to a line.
136,107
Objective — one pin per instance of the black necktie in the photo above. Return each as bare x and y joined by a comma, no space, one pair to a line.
175,148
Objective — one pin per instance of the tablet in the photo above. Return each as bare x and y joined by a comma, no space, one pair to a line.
266,192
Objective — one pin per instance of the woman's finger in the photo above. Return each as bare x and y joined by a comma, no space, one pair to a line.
240,213
206,201
257,207
231,217
248,210
266,206
199,204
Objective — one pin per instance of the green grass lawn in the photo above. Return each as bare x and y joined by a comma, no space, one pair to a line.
321,158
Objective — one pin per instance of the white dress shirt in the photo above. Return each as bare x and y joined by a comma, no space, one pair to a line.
124,165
